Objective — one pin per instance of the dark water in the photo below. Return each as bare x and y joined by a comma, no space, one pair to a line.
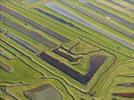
83,79
38,26
34,35
95,62
56,18
65,55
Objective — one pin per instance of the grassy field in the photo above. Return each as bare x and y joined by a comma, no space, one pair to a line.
66,50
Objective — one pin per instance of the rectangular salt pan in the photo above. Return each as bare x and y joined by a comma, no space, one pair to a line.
22,42
54,6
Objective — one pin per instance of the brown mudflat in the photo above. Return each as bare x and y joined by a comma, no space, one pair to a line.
5,67
127,95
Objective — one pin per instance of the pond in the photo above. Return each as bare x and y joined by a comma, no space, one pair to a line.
45,92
